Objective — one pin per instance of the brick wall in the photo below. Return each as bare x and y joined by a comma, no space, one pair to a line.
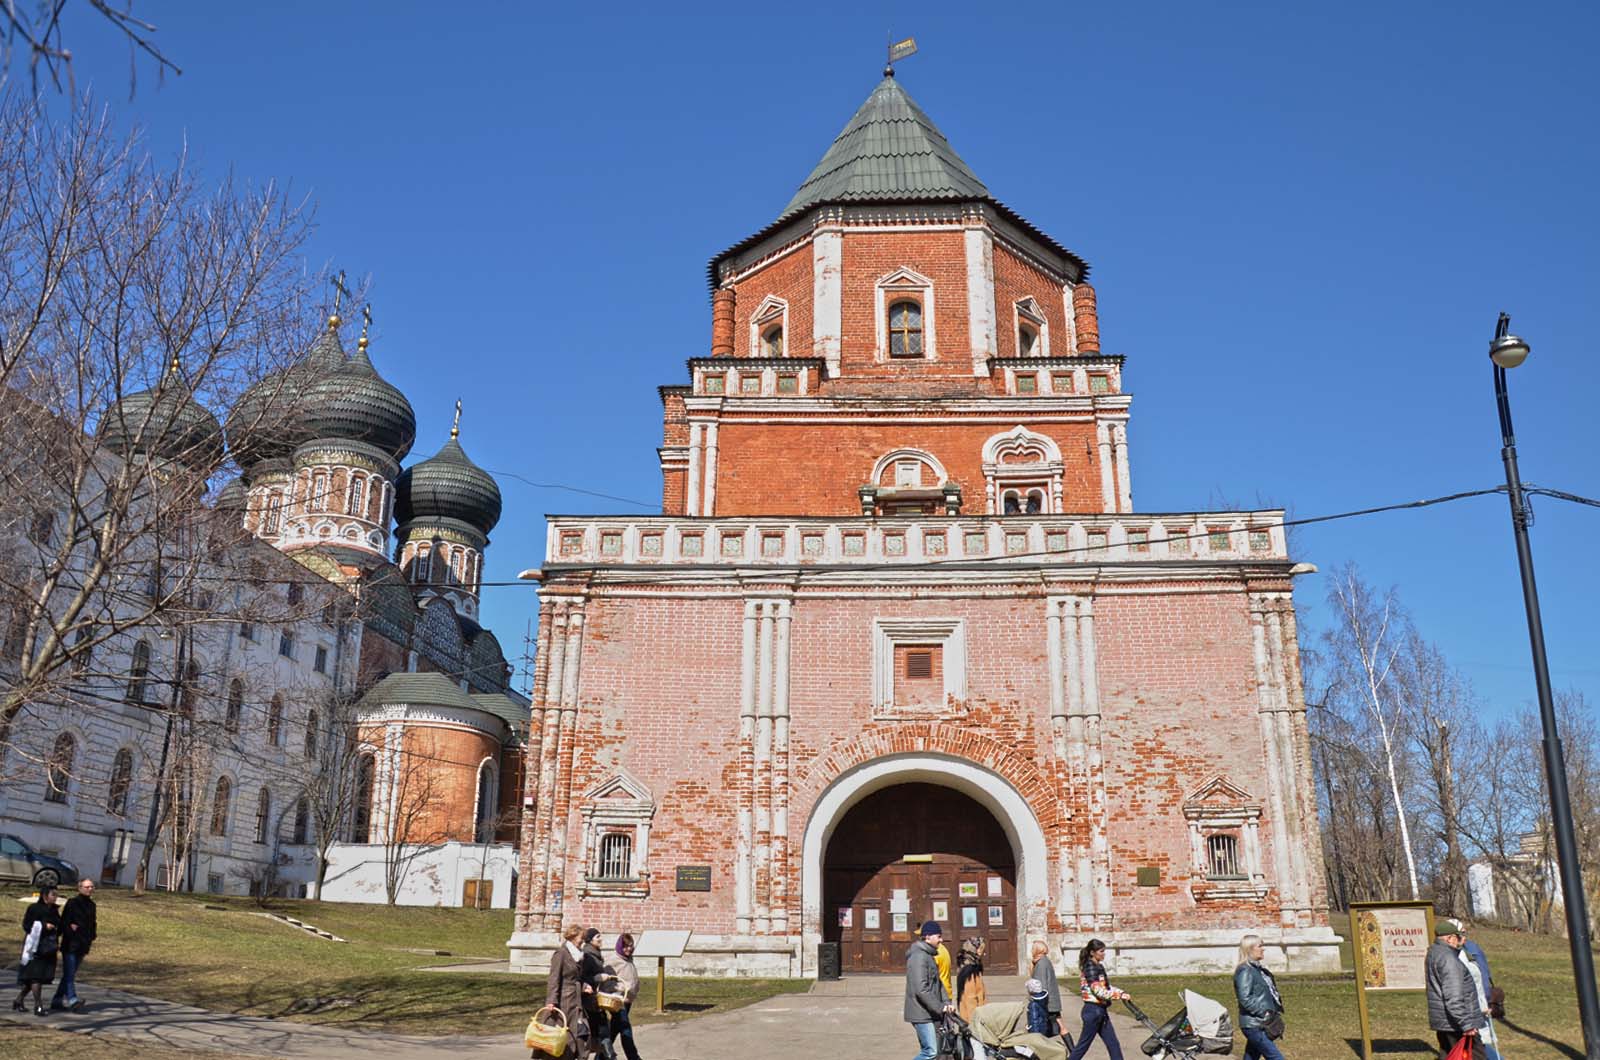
1016,278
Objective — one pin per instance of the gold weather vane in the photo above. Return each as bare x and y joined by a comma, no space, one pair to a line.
899,50
339,291
455,428
366,322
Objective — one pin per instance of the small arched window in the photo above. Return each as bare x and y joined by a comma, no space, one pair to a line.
319,492
420,564
58,771
311,733
358,496
1027,339
230,721
1013,503
274,512
772,341
302,821
361,815
275,722
139,672
905,329
263,815
121,783
1035,502
486,807
191,686
219,806
615,857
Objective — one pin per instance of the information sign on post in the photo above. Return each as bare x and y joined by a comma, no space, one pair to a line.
1389,941
661,945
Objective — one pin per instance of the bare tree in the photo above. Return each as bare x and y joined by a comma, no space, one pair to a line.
332,788
409,818
135,305
36,28
1365,644
1439,705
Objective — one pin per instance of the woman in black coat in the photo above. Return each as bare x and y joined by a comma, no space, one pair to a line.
39,949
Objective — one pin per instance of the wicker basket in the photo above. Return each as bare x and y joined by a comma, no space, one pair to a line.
548,1038
611,1002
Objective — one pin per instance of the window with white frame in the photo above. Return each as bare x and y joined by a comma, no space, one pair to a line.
905,317
616,815
1022,473
1225,842
919,668
768,326
1032,329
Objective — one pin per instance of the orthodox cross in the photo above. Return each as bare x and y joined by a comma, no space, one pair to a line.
339,291
455,428
366,322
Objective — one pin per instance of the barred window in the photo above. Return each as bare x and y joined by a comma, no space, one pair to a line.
615,861
1222,857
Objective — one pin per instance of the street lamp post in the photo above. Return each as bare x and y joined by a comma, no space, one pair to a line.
1508,351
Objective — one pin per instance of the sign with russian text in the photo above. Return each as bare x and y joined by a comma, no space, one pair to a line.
1394,947
694,877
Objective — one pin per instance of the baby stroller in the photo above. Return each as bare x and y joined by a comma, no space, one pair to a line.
1202,1026
999,1031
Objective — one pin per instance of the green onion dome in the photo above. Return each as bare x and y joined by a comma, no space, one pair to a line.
164,421
448,485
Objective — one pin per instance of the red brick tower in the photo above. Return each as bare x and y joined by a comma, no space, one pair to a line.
899,646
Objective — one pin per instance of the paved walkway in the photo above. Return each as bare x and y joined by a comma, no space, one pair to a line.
857,1017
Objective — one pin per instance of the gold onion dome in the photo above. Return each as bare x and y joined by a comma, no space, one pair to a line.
164,421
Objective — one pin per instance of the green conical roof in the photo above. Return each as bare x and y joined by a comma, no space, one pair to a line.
890,151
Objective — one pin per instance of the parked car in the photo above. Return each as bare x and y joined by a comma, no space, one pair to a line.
19,861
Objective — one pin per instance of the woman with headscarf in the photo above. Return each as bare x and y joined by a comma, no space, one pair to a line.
41,941
628,981
970,992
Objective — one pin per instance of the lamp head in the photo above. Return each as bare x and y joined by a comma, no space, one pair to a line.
1508,351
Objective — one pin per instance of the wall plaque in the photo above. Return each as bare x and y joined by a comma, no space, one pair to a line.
694,877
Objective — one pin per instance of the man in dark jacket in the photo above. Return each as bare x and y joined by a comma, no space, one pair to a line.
77,935
1453,1008
926,999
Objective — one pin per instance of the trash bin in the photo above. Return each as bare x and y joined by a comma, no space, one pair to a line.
828,960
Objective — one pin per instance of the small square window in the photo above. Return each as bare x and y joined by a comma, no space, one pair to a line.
694,544
572,543
320,663
749,384
918,674
1138,541
1218,539
1099,384
1061,382
716,384
1027,384
788,384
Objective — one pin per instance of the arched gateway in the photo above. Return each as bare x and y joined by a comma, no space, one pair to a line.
907,838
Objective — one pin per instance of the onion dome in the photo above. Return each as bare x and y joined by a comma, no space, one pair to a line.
448,485
164,421
355,403
233,497
265,423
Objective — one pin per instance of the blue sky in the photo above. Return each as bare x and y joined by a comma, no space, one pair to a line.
1301,225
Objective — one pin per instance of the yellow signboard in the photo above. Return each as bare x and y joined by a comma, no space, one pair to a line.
1389,941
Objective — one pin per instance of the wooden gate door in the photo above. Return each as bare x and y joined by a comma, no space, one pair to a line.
912,853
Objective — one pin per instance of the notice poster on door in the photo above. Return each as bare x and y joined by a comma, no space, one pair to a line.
968,890
969,916
941,912
994,887
846,916
869,919
900,902
900,925
997,915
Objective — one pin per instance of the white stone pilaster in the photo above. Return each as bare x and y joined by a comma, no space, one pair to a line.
981,323
692,505
1119,439
743,901
709,495
827,307
1108,495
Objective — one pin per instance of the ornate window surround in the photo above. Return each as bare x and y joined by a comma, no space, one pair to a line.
620,803
950,634
772,310
1026,311
1220,807
904,282
1045,470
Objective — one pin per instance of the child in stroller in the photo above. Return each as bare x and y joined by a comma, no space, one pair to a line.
1203,1026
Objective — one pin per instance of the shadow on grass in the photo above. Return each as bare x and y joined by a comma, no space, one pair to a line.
1395,1045
1561,1047
688,1006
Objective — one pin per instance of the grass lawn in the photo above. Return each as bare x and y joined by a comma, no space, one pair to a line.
230,959
32,1043
1535,972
